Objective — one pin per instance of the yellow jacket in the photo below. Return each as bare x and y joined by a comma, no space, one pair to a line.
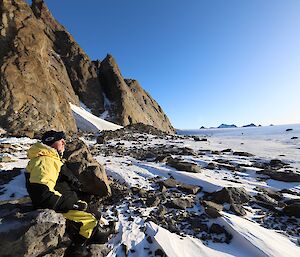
44,166
42,175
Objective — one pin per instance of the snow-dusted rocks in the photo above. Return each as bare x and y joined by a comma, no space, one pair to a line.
167,211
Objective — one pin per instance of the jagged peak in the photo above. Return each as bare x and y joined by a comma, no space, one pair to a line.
38,7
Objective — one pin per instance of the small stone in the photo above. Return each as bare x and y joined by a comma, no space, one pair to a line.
159,252
149,240
216,229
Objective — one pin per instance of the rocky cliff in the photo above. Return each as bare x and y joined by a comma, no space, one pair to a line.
129,102
42,69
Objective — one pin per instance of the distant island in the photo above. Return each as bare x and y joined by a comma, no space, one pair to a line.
233,126
249,125
227,126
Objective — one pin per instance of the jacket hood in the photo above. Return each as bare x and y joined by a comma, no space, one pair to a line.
39,149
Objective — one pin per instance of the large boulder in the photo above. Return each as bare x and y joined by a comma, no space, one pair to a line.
25,232
230,195
90,173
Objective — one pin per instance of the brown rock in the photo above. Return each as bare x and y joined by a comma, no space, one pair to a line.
230,195
130,103
184,166
212,209
35,88
292,210
169,183
90,173
180,203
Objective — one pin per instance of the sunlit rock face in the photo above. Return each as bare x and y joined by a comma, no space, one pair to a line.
130,103
42,69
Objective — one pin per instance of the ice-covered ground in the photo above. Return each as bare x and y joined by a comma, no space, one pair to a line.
269,141
250,238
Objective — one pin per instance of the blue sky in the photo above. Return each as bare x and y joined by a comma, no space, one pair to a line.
205,62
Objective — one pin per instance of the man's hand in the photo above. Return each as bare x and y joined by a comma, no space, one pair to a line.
80,205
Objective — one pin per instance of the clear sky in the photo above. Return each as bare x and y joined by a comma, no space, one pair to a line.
206,62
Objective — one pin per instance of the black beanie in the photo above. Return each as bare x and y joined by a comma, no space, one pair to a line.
51,136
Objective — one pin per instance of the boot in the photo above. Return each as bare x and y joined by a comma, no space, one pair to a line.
101,234
77,248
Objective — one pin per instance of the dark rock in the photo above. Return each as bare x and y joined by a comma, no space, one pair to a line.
227,126
283,176
292,210
230,195
184,166
199,139
289,129
237,209
271,193
249,125
275,163
149,239
227,166
124,248
243,154
212,166
266,199
288,191
152,201
212,209
172,183
228,150
266,205
294,138
163,158
161,211
159,252
187,151
197,225
180,203
216,229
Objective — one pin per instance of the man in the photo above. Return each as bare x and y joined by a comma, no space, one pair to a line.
49,188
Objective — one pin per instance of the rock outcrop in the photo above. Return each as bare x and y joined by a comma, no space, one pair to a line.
129,102
35,89
89,172
27,232
42,69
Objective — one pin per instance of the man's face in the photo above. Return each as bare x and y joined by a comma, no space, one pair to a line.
59,146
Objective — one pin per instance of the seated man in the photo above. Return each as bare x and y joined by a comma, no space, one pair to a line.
48,188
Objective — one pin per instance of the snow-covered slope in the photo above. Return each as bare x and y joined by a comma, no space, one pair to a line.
88,122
